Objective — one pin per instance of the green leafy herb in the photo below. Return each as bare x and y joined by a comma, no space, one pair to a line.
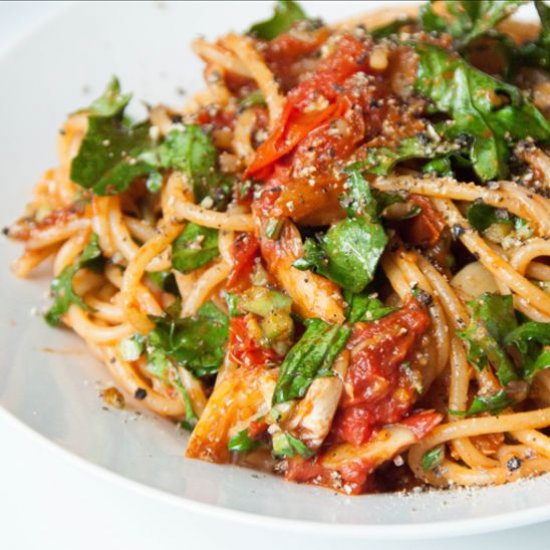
242,442
433,458
470,19
311,357
537,53
362,307
382,160
391,28
161,365
286,445
62,286
530,339
195,247
492,320
163,280
348,253
285,15
196,343
350,250
193,152
114,152
111,103
481,216
488,112
493,404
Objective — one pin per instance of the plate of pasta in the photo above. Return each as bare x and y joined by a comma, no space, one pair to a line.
297,268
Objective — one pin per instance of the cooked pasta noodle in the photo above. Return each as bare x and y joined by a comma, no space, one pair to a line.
319,263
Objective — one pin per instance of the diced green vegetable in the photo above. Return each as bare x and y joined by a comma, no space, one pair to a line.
132,348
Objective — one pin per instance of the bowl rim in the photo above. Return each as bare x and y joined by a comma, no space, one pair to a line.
352,531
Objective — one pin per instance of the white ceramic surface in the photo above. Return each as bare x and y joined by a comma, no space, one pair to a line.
60,67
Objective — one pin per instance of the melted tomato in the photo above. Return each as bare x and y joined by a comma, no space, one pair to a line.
381,391
287,54
313,102
244,349
244,251
424,230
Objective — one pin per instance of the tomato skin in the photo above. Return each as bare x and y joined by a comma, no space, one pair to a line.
349,57
422,423
245,350
244,250
425,229
381,392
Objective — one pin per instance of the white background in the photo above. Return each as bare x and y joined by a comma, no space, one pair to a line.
50,501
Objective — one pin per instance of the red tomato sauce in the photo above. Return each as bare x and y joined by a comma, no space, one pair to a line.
381,391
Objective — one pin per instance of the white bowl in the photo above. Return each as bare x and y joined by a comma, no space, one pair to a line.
50,382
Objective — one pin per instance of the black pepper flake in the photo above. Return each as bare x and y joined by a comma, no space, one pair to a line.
423,297
394,246
140,394
5,231
513,464
112,360
176,119
457,230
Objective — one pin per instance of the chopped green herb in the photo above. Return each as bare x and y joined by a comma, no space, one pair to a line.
311,357
362,307
470,19
242,442
196,343
62,286
286,445
490,113
493,404
253,99
285,15
132,348
195,246
433,458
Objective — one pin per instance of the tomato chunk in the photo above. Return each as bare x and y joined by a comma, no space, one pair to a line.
313,102
244,250
244,349
382,391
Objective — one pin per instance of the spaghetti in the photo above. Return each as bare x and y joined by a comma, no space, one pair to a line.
335,255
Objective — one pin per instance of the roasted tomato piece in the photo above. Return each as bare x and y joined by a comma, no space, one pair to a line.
379,390
244,347
244,250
